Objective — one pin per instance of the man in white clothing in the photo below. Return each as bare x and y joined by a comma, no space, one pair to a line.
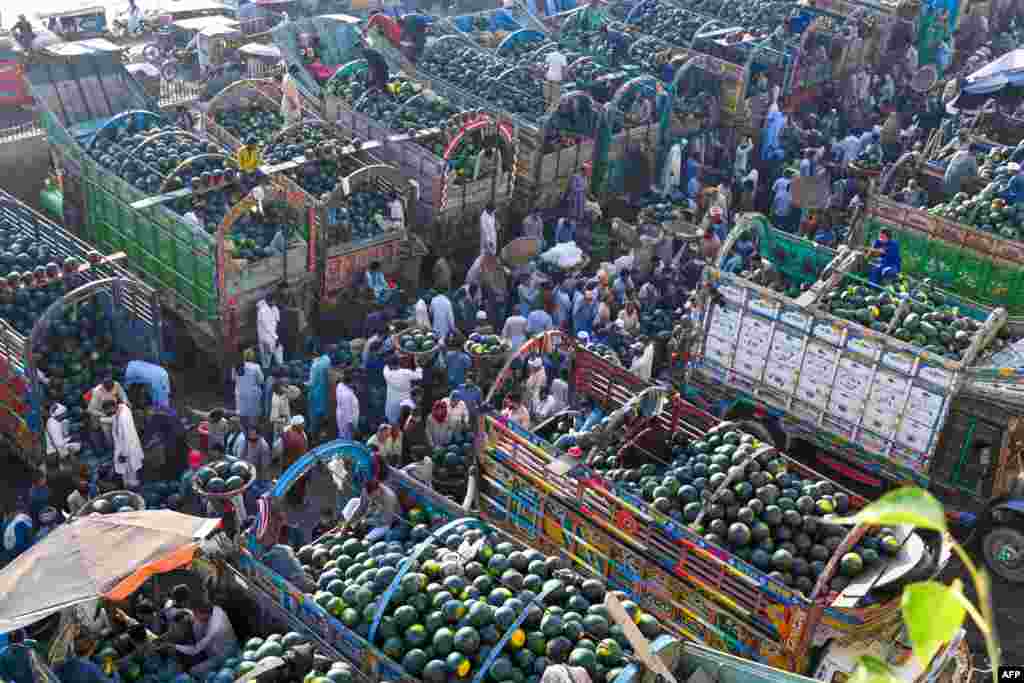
268,317
488,243
396,213
347,412
217,640
556,63
488,232
443,316
399,383
57,444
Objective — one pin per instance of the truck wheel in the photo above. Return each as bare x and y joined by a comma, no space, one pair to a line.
1003,548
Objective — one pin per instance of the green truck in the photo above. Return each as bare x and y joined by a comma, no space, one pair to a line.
824,365
85,102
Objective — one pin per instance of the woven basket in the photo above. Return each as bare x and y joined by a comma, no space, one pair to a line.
421,357
196,484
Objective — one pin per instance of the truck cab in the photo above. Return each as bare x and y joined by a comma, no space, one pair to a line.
13,91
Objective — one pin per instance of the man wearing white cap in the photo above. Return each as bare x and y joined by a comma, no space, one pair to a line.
515,330
295,446
536,384
57,443
482,326
643,361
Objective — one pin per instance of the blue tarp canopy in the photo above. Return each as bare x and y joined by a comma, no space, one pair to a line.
153,376
996,75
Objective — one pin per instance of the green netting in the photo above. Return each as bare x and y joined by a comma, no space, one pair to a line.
1006,286
941,265
913,252
798,259
958,270
162,250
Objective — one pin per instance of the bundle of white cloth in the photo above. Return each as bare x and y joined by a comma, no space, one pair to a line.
565,255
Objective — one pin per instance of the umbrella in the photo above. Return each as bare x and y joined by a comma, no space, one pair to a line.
106,556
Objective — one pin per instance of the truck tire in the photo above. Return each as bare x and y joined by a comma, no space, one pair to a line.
1003,549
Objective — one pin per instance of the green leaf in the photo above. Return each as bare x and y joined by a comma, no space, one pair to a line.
908,505
933,613
872,670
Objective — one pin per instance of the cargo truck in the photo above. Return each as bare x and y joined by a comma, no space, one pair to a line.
44,269
856,393
553,498
681,659
974,253
210,295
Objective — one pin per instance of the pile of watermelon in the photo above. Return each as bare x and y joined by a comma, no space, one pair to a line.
321,172
932,320
450,611
453,460
76,353
22,266
486,345
478,72
253,232
146,169
253,125
223,476
162,495
365,211
769,516
110,503
418,341
136,667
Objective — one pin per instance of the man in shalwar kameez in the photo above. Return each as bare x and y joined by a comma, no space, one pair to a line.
128,455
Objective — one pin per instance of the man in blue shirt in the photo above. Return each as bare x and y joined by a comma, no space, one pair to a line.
563,304
619,44
15,666
457,362
81,669
887,252
470,394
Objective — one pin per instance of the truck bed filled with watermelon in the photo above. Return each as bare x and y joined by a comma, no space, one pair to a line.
721,536
460,158
473,632
507,82
39,264
874,367
318,46
313,158
970,242
444,597
130,177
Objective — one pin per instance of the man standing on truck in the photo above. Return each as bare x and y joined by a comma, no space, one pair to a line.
23,33
377,70
291,103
